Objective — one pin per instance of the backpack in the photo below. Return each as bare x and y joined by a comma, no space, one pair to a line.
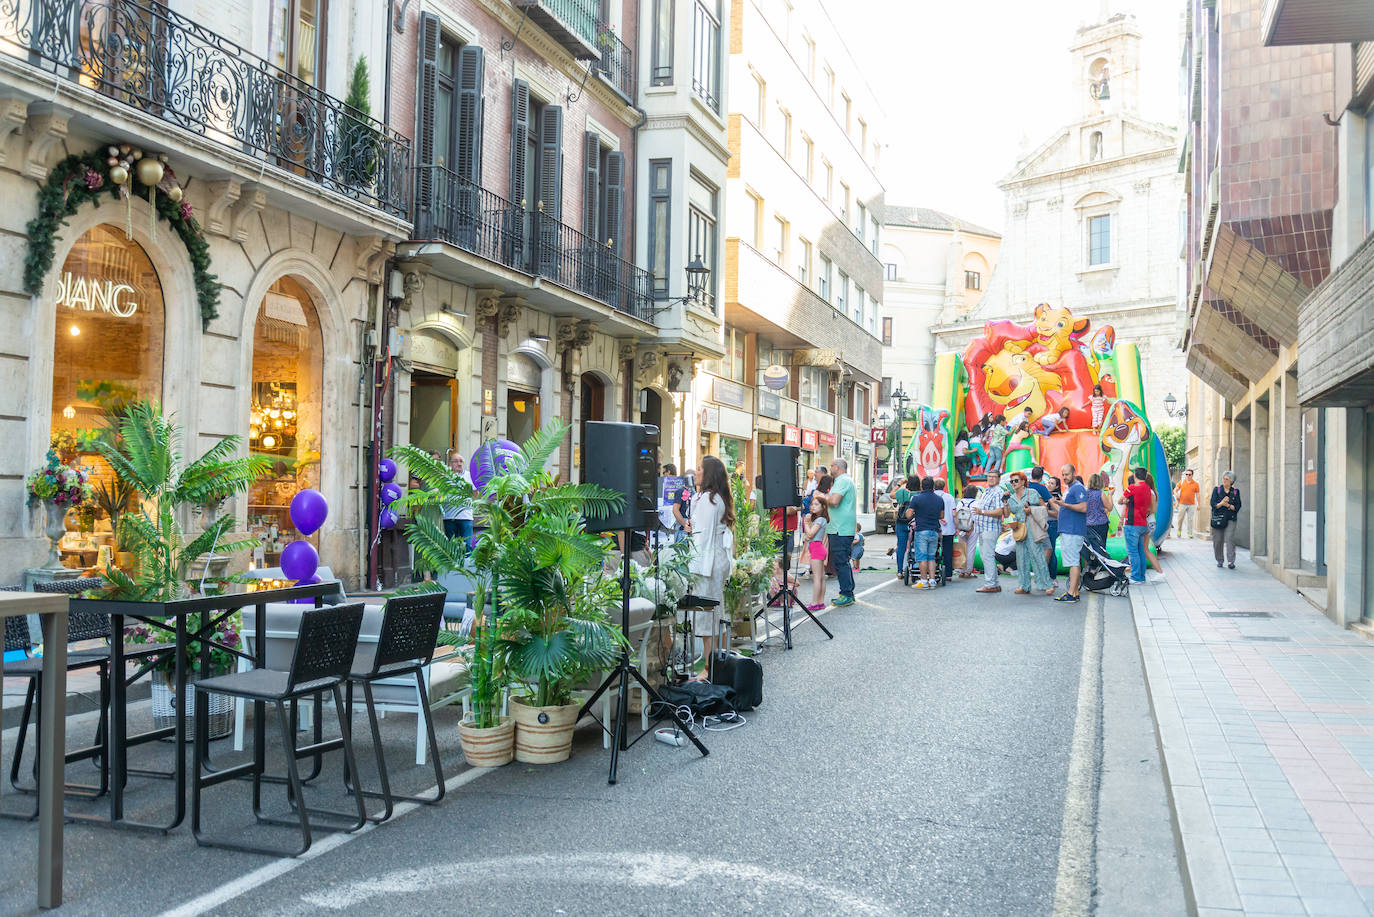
963,517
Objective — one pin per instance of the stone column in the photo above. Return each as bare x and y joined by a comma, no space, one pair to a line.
1257,480
1290,490
1241,458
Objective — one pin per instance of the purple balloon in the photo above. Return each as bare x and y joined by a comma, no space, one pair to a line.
388,518
390,494
307,600
299,560
309,509
490,460
386,470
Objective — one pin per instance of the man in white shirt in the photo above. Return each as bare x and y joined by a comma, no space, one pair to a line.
947,529
458,520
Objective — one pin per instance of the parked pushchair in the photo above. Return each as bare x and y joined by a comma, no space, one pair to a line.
1103,573
910,574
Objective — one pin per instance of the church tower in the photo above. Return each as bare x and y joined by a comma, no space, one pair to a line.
1106,59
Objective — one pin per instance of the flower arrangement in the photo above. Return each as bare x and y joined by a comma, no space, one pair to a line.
756,549
65,485
605,36
225,637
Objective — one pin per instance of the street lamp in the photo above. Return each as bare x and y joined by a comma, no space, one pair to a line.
1171,406
899,399
697,276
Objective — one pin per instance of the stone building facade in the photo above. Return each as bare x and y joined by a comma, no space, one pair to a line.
299,207
1092,218
803,283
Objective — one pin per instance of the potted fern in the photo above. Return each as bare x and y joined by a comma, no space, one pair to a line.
533,560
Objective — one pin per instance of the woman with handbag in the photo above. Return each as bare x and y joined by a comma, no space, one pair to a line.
1030,528
1225,507
712,518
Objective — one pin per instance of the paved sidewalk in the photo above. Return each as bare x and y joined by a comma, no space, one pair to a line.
1265,710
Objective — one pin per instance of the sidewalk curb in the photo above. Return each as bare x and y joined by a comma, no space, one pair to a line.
1201,833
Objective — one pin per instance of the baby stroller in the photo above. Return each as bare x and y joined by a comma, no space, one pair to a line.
909,576
1102,573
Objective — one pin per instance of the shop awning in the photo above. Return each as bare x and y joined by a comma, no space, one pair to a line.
1336,341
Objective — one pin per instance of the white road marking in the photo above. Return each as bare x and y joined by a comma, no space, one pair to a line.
612,870
264,874
1073,886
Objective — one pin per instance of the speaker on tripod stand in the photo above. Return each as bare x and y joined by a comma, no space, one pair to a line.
782,489
623,457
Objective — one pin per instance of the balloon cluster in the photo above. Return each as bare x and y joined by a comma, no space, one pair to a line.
389,494
491,459
299,559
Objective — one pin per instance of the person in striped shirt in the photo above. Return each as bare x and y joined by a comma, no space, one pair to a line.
988,511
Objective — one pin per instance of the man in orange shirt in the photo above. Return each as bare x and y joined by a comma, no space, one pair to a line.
1186,495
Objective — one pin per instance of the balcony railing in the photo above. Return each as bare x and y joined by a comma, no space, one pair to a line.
572,23
476,220
159,62
617,61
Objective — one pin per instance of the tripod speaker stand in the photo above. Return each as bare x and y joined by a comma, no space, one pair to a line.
780,491
621,676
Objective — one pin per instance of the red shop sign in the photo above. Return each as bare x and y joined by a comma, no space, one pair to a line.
808,440
827,439
791,436
877,435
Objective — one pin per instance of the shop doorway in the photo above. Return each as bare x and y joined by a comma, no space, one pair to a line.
433,412
651,409
522,415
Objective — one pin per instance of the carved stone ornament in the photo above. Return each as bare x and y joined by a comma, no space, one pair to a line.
1141,185
648,364
510,312
1054,203
627,351
1019,208
412,282
488,305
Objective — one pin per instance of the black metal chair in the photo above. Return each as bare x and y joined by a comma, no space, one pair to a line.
81,627
405,645
325,647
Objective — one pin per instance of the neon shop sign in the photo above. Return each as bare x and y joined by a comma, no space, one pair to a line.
90,294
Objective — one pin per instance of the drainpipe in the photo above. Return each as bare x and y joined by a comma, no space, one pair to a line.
386,85
368,360
380,363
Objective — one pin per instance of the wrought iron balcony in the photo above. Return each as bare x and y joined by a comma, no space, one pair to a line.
159,62
616,62
453,210
571,23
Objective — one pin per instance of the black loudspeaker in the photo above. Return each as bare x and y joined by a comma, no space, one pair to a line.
781,470
622,457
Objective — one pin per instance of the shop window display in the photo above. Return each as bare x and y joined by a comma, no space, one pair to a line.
107,353
284,414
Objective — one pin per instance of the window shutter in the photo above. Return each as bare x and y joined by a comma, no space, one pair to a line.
471,63
519,138
591,184
551,161
615,201
429,91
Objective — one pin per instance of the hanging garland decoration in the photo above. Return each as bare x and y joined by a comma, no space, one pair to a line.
112,172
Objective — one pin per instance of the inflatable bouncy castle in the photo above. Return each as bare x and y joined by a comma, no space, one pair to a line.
1051,364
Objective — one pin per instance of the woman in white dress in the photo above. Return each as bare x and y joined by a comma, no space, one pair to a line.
713,515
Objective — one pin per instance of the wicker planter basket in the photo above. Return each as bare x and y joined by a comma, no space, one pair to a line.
165,708
488,747
543,735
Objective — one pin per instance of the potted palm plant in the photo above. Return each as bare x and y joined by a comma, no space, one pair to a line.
147,456
532,565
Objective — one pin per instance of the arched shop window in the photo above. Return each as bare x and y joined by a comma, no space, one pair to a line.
284,413
107,353
108,347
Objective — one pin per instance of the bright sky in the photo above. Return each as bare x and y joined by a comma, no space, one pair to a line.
967,86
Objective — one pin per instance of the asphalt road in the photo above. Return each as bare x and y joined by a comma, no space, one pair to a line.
919,763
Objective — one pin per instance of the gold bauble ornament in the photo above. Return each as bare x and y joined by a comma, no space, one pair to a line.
175,194
111,162
137,154
119,175
149,171
124,148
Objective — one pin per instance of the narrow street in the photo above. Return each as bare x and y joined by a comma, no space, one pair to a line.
922,762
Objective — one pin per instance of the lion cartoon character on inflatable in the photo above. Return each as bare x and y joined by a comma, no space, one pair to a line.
1045,365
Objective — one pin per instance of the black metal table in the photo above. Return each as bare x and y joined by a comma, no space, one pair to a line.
171,618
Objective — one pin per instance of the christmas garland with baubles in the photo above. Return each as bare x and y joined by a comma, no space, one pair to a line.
117,172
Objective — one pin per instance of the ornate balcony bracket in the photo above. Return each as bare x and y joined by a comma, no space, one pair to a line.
13,114
45,130
252,199
627,350
488,306
413,274
219,209
648,365
512,307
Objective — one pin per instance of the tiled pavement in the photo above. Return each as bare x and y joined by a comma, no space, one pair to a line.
1265,711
